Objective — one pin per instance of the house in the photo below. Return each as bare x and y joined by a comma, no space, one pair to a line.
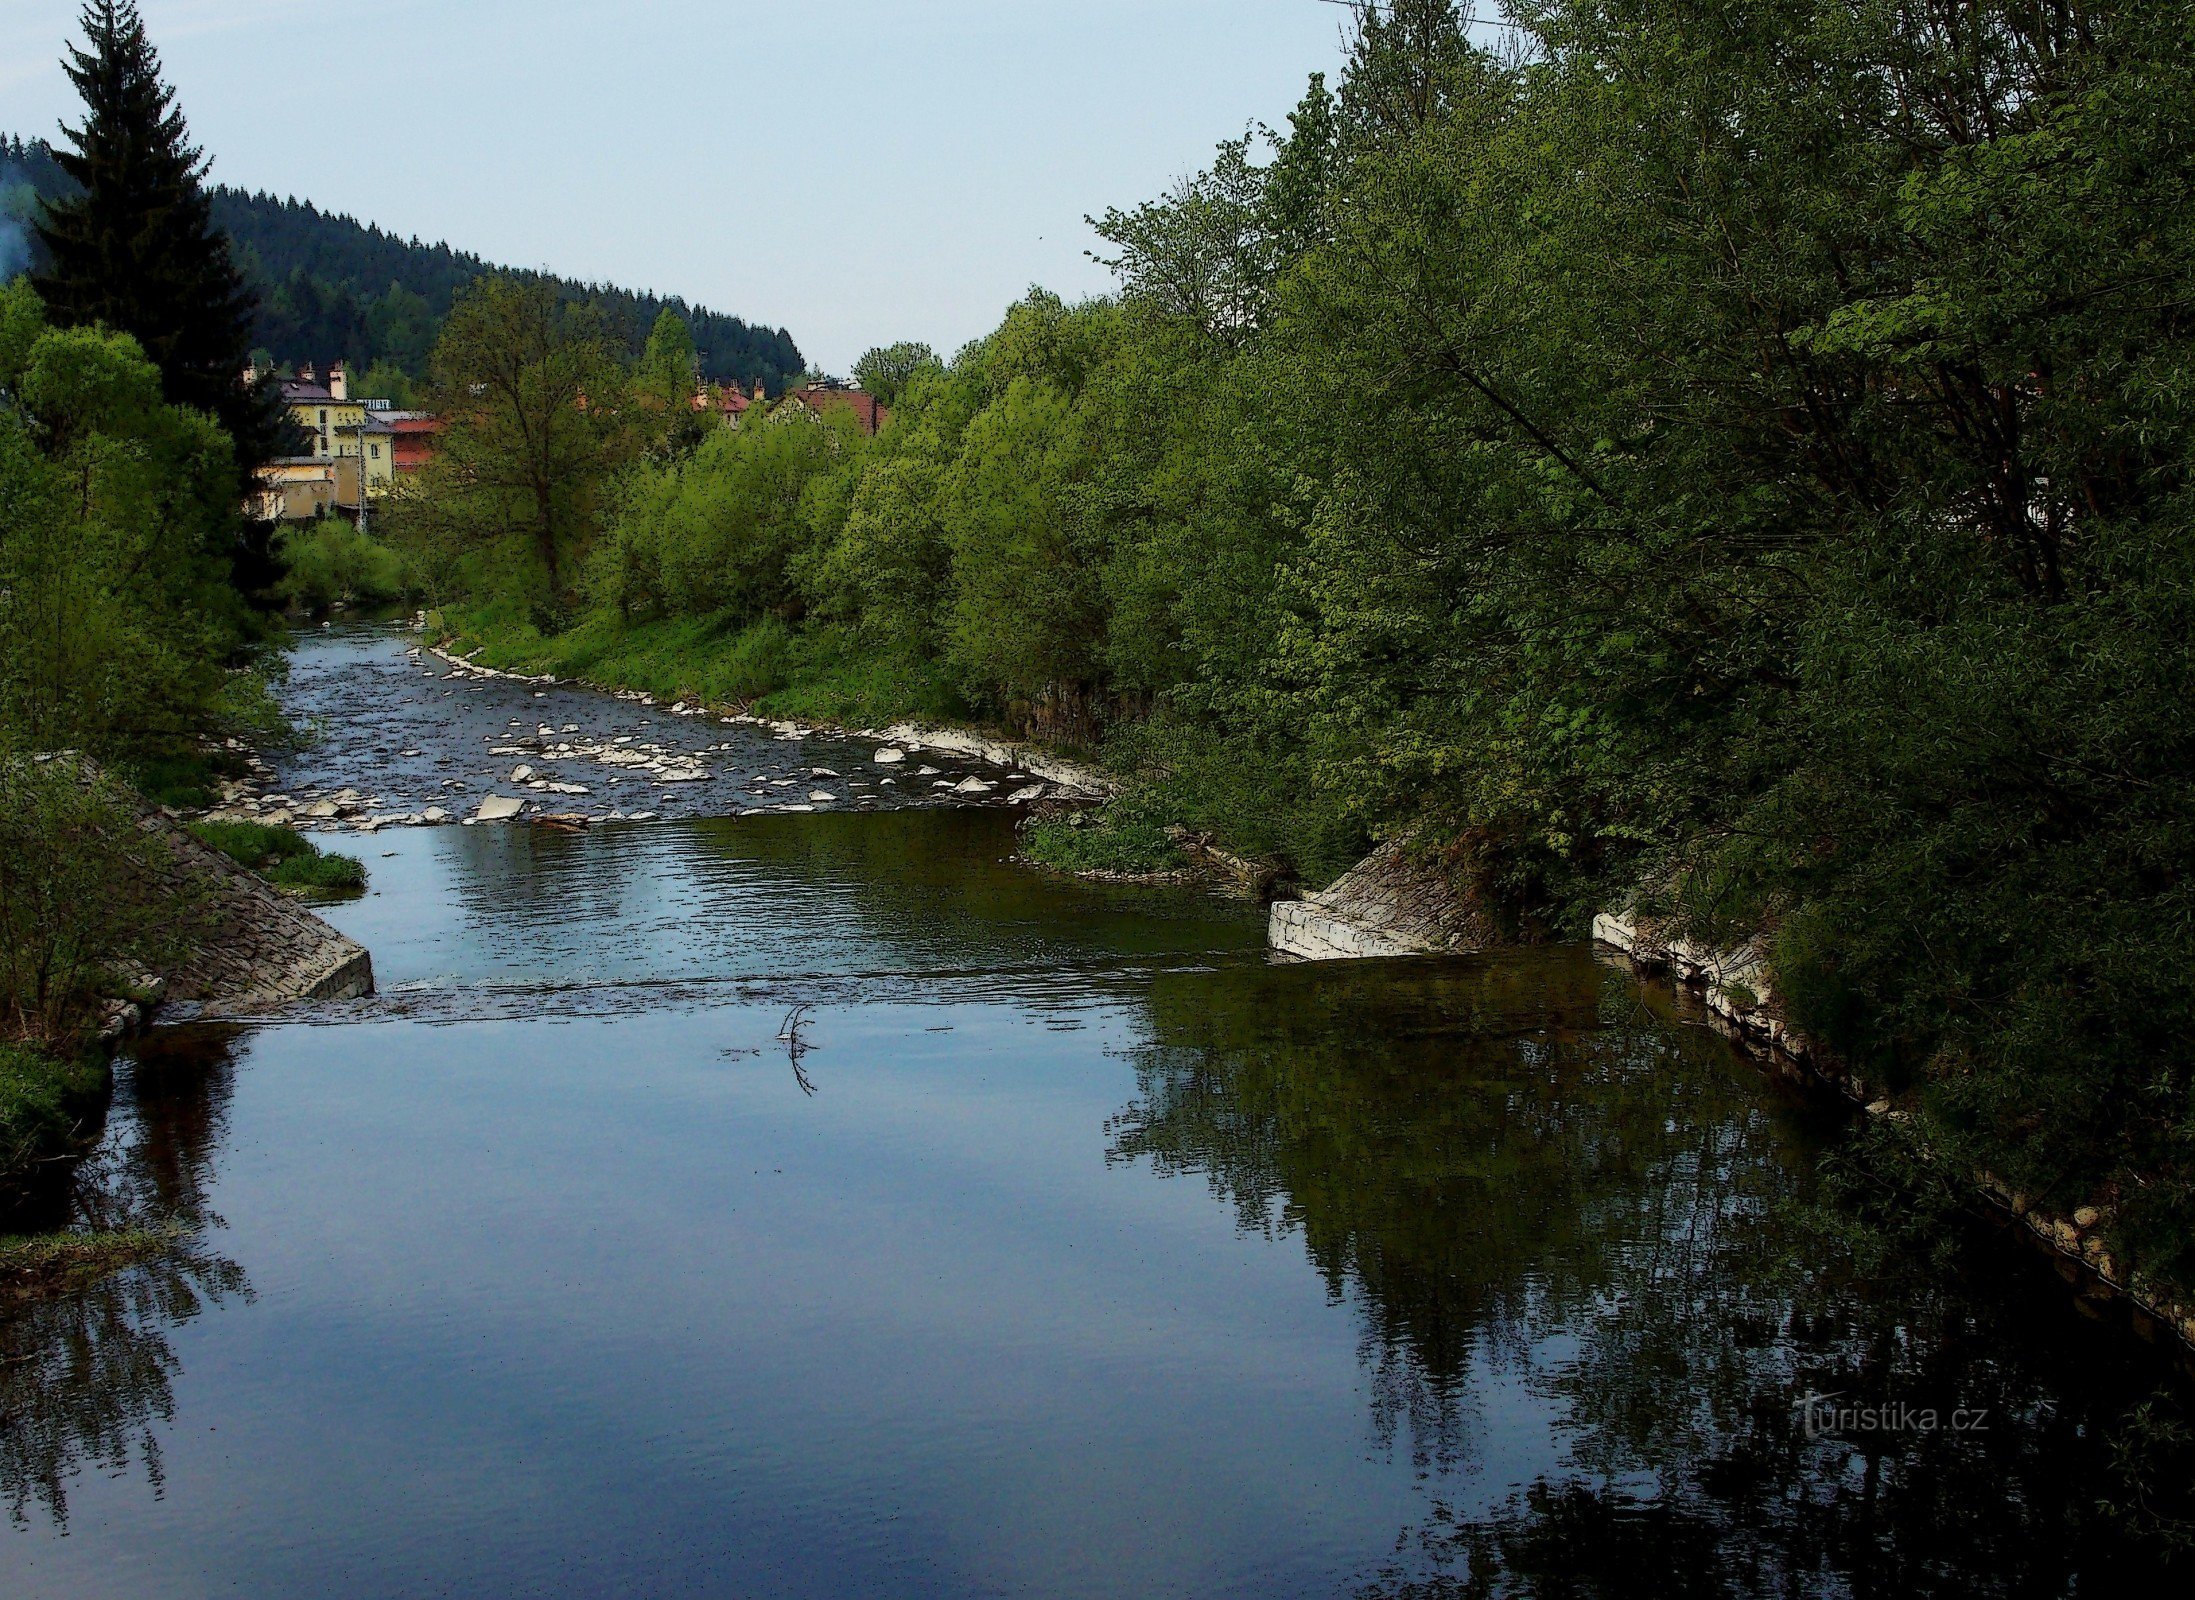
729,401
302,488
828,396
360,440
325,411
412,437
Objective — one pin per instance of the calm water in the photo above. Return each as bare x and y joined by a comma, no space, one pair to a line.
1081,1251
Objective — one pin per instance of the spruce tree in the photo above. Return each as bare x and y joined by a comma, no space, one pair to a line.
136,248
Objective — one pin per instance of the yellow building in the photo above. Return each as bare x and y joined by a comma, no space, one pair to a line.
338,424
325,411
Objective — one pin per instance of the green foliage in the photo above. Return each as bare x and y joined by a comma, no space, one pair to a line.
1129,836
385,380
325,871
667,369
117,520
720,531
133,248
540,423
330,288
331,562
1739,457
886,371
43,1098
45,1265
282,855
254,844
84,898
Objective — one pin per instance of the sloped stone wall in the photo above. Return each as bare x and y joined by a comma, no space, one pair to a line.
1395,902
261,949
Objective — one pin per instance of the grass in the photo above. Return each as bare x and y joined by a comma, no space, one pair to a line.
810,674
39,1265
282,856
41,1096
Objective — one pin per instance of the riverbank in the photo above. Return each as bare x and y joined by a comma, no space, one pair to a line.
113,909
1736,992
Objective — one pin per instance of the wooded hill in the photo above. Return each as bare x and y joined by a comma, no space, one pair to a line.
333,288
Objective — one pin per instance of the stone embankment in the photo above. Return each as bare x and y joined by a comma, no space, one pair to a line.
1737,989
258,948
1395,902
1069,779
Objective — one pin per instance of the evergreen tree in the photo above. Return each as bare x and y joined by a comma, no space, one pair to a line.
136,249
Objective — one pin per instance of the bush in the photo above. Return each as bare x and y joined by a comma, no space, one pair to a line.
87,899
321,871
1128,836
41,1097
332,563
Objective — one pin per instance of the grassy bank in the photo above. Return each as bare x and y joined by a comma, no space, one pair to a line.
46,1264
283,856
45,1100
809,675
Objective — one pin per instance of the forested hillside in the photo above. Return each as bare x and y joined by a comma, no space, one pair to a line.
332,288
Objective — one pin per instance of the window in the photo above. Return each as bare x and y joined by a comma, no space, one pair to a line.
323,418
377,452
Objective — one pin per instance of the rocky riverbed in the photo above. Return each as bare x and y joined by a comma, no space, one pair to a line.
405,735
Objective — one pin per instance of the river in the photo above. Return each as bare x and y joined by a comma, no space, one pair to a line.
1069,1246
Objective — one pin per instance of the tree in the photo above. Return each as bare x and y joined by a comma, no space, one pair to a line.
885,371
667,366
115,609
538,423
136,250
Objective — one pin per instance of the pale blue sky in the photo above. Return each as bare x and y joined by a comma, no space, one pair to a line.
857,171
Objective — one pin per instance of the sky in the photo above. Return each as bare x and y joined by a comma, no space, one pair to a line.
855,171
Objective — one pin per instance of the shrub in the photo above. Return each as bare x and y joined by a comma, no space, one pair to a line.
40,1097
1128,836
332,563
87,898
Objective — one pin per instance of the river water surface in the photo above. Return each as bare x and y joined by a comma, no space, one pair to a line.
1073,1247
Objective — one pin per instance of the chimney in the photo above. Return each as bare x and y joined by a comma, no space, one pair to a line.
339,382
305,374
759,396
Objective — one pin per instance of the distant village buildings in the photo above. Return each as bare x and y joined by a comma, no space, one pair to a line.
826,397
358,450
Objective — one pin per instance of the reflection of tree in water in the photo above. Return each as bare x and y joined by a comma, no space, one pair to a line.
1515,1170
86,1376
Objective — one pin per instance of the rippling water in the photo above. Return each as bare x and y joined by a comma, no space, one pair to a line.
1076,1250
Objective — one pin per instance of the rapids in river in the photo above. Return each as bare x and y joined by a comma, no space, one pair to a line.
824,1204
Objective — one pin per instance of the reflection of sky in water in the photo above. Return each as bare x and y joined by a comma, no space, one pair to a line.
1106,1258
901,894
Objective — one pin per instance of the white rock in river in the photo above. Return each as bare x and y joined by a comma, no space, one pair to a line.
322,809
498,808
434,814
973,786
823,796
925,772
821,772
521,774
1021,797
890,757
